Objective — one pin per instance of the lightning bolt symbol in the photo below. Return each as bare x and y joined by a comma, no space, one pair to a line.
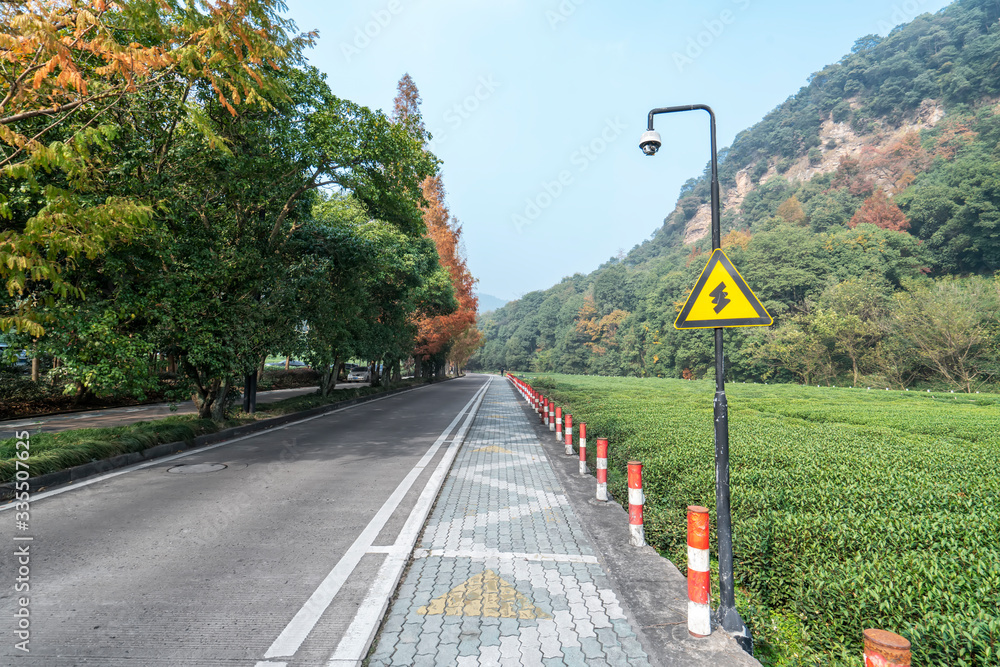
719,298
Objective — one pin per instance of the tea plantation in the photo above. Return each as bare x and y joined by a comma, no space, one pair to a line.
852,508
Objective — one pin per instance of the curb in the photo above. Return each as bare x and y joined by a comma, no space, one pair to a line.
77,473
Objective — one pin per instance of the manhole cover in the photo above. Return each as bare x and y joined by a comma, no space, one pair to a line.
197,467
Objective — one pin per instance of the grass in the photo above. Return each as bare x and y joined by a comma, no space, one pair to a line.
51,452
851,508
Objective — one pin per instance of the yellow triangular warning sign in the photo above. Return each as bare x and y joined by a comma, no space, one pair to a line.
721,298
484,594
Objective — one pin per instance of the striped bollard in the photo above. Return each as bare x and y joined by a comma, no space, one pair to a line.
602,469
635,502
699,577
559,425
552,416
583,448
569,435
886,649
545,411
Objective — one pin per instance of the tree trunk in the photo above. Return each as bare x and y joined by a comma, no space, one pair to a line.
328,378
218,409
34,369
416,367
288,362
260,368
397,374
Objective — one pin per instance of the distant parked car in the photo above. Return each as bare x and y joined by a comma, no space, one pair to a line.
9,357
360,374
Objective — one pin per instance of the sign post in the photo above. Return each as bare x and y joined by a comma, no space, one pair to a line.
720,298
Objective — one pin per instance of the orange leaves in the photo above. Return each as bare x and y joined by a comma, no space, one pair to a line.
60,56
438,332
882,212
598,329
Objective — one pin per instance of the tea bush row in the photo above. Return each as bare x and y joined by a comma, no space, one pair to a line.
851,508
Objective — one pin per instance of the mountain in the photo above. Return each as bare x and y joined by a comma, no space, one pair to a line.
488,302
871,193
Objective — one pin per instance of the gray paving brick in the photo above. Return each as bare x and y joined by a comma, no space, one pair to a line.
499,499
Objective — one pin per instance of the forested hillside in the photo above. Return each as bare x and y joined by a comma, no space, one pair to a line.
863,211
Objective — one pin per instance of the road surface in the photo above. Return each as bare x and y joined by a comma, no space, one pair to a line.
262,563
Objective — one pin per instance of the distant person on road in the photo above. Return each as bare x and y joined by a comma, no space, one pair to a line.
502,371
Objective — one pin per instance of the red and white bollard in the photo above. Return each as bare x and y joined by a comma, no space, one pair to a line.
602,469
583,448
886,649
635,502
699,577
545,411
552,416
569,435
559,425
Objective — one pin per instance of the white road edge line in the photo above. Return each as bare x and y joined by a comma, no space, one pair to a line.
357,639
72,486
291,638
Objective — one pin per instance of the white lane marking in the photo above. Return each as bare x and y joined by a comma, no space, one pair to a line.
389,549
268,663
354,644
481,554
291,638
72,486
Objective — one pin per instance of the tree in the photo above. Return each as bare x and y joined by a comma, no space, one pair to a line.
791,211
66,67
439,327
950,323
436,332
880,211
406,107
849,320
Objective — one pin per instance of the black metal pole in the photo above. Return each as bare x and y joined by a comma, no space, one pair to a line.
246,393
726,615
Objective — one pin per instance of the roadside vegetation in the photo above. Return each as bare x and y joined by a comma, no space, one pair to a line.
183,195
852,508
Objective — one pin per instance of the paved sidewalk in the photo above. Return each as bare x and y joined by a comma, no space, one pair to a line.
504,573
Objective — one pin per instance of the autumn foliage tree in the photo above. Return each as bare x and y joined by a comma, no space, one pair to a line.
442,333
436,334
882,212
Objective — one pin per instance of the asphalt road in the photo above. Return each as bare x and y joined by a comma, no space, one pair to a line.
263,563
109,417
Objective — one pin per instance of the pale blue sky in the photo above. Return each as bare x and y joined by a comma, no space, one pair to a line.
545,101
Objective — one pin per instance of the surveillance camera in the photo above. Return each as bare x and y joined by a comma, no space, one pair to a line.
650,142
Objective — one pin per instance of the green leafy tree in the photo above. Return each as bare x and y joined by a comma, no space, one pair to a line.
951,325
